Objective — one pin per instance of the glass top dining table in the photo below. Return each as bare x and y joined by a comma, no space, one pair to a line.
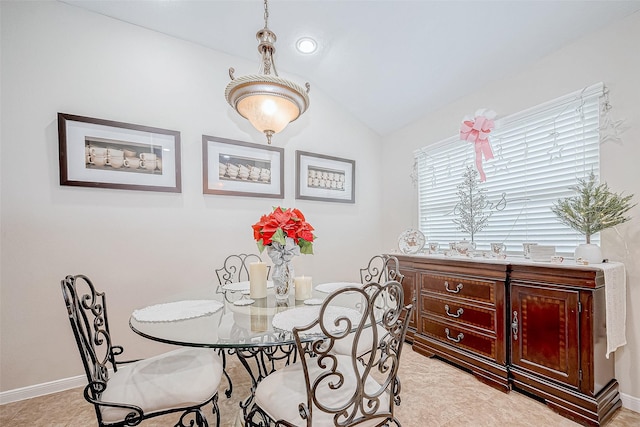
258,333
231,320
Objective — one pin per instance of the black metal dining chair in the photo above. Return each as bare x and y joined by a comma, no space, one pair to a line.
179,381
328,389
235,268
381,268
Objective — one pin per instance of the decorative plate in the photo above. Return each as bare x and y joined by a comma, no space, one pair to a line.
242,286
247,301
327,288
411,241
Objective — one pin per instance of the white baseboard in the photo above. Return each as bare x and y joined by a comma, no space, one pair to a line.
42,389
630,402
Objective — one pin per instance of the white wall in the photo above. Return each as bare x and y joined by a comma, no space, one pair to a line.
139,246
142,245
610,56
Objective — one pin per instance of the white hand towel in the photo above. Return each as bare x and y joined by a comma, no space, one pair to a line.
615,289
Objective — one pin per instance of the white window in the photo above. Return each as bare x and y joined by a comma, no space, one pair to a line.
538,154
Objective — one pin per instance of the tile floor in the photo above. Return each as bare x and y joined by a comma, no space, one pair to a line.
434,394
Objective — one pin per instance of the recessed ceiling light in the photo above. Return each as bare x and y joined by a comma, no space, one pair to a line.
306,45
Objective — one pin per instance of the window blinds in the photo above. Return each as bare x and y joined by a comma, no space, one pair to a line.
538,154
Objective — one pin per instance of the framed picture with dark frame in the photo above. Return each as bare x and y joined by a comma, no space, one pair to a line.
238,168
325,178
107,154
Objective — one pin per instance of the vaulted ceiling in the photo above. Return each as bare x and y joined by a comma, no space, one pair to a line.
388,62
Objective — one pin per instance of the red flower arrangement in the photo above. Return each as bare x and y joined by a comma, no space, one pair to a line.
282,224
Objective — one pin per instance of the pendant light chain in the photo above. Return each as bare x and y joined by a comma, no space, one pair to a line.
268,101
266,47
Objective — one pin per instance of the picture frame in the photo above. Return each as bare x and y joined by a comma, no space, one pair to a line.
238,168
109,154
325,178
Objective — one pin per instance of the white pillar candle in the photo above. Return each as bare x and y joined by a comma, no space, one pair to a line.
303,287
257,280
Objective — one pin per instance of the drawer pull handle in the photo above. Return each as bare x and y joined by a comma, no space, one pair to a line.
457,313
514,326
458,339
453,291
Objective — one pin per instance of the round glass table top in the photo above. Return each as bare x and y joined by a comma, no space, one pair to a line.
226,319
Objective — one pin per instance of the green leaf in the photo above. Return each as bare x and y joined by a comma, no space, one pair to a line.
306,247
260,246
279,236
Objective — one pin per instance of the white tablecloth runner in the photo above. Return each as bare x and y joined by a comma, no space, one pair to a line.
615,289
178,310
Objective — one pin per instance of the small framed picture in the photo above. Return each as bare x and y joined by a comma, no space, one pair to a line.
107,154
237,168
325,178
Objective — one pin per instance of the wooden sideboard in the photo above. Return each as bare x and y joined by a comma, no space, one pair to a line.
535,327
409,286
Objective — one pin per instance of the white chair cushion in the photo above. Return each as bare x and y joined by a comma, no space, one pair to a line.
179,378
280,393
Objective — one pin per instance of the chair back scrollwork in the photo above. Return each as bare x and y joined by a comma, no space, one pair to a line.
358,387
88,316
236,268
381,268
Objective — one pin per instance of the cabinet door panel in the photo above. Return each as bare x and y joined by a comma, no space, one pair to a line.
544,332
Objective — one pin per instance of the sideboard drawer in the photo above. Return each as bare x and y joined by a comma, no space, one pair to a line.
452,310
461,287
460,337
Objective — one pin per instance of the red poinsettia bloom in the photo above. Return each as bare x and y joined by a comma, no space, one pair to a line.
283,223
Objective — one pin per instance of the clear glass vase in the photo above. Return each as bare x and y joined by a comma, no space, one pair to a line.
282,279
282,276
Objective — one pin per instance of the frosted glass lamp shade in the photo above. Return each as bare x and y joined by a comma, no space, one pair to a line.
268,112
270,103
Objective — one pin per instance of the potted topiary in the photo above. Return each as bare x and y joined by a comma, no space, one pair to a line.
593,209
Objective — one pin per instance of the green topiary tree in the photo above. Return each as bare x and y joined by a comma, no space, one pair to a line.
594,208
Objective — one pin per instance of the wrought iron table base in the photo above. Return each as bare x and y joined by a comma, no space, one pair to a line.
260,362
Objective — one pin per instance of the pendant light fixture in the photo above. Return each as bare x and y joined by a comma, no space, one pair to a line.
269,102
